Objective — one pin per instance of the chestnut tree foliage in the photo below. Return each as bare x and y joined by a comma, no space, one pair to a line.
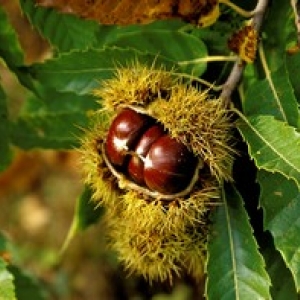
254,245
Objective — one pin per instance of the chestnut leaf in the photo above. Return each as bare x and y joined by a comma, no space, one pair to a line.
273,145
87,211
6,155
55,122
86,214
108,34
280,200
277,33
273,96
185,50
82,71
10,48
235,268
280,289
65,32
14,282
293,66
50,131
12,52
7,289
27,286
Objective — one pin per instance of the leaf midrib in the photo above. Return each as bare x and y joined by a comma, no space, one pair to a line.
273,89
231,243
269,145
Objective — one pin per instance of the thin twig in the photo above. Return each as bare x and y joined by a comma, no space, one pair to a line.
239,66
239,10
207,59
204,82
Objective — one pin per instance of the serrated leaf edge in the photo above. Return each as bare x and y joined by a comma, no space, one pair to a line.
232,249
275,151
271,83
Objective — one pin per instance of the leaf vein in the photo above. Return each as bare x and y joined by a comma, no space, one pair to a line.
272,86
267,143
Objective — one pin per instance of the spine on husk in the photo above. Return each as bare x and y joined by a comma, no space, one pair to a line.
155,235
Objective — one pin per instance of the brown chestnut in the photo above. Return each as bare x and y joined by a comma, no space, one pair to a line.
169,166
139,147
136,162
123,133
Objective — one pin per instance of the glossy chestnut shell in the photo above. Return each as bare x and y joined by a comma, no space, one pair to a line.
139,147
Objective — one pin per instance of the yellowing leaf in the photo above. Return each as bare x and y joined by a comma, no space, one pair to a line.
126,12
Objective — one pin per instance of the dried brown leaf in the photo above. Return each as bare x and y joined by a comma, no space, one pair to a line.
124,12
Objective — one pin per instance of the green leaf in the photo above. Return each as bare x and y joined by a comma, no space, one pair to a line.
107,34
7,289
55,123
235,268
293,66
276,33
185,50
27,286
214,39
10,49
280,200
4,244
277,270
16,284
56,102
51,131
6,155
64,31
273,96
86,214
273,145
81,71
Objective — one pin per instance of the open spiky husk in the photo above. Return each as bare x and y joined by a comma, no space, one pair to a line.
172,215
137,85
96,173
203,124
155,237
155,252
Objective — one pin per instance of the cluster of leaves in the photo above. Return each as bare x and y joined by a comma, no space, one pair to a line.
59,103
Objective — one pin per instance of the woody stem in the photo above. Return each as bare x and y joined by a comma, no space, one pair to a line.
236,73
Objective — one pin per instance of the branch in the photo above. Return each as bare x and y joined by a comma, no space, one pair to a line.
237,71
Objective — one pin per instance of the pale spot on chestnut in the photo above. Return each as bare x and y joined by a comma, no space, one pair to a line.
142,150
